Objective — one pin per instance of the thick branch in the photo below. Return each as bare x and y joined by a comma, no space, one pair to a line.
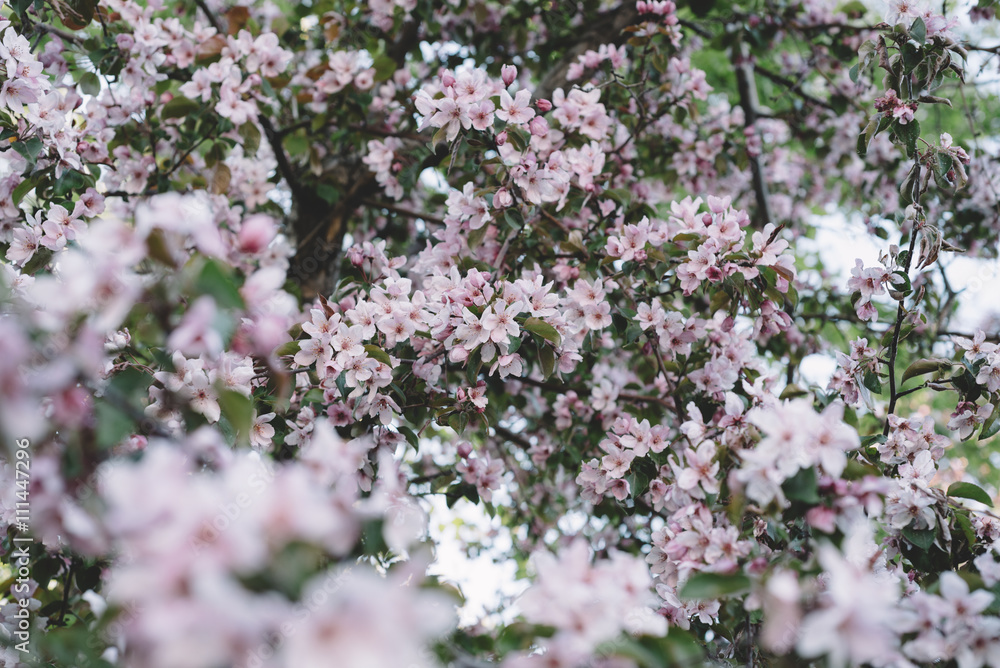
748,101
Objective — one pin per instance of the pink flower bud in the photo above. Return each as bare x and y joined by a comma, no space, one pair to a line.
256,233
508,73
464,449
124,41
538,126
543,105
502,138
502,198
447,79
356,256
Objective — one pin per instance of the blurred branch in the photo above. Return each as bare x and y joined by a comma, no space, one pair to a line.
792,86
210,16
748,101
403,212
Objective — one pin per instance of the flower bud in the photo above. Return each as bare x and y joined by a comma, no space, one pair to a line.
447,79
538,126
464,449
508,73
543,105
502,198
124,41
502,138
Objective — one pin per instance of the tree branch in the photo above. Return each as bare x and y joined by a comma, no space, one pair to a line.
402,212
894,346
792,86
210,16
748,101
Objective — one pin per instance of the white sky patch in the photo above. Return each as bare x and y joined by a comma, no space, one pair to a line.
484,582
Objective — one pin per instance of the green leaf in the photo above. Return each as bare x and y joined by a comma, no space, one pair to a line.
89,84
802,487
632,332
866,136
476,236
513,219
908,134
384,67
992,424
297,144
543,329
89,577
925,366
791,391
473,365
942,166
251,138
967,490
71,181
411,437
459,421
378,354
872,382
218,281
962,520
179,107
24,187
704,586
130,383
30,148
289,348
328,193
238,409
113,425
630,648
918,31
919,538
440,136
547,359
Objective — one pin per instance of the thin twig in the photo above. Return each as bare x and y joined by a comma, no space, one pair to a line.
894,346
210,16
